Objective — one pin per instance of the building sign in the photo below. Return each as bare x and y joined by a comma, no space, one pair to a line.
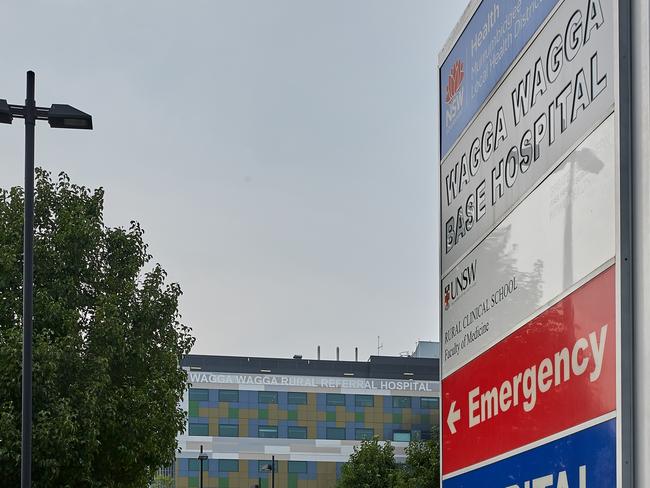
554,373
581,459
492,39
526,263
560,88
530,369
301,383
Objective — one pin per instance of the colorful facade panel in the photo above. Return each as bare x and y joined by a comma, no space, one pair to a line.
249,414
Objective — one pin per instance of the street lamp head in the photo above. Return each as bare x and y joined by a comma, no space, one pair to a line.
203,457
67,117
5,113
267,467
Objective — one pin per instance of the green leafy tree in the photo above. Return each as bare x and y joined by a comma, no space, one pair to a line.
107,345
422,467
371,465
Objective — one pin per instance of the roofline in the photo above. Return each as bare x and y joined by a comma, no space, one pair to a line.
388,367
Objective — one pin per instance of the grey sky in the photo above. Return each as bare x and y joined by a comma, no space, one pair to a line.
281,155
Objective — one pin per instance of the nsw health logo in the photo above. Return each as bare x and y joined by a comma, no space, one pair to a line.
455,92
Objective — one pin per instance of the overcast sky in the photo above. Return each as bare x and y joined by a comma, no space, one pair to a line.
280,155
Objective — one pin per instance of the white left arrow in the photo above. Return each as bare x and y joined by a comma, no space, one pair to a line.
453,417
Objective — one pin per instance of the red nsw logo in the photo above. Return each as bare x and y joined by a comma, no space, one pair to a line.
455,80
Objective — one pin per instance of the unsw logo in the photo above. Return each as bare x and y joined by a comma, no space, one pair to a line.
455,91
458,284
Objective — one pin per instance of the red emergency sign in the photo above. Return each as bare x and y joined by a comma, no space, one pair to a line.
555,372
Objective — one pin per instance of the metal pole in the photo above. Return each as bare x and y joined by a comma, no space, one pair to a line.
640,177
272,471
28,285
201,461
633,105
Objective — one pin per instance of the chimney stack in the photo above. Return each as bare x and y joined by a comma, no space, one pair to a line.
337,353
356,354
318,353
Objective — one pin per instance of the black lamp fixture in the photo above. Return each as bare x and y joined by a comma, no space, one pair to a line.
67,117
5,113
59,116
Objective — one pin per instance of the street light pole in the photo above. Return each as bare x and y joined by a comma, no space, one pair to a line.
271,468
202,457
65,117
28,284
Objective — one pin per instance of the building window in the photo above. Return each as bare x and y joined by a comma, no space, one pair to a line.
228,465
267,431
267,397
335,399
337,433
363,434
199,394
401,436
297,432
401,402
297,467
198,429
229,430
364,401
228,395
429,402
297,398
263,465
426,435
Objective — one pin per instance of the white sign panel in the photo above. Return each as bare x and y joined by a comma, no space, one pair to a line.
558,91
557,237
302,383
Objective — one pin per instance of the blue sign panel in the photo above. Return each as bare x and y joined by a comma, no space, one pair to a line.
492,39
586,459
